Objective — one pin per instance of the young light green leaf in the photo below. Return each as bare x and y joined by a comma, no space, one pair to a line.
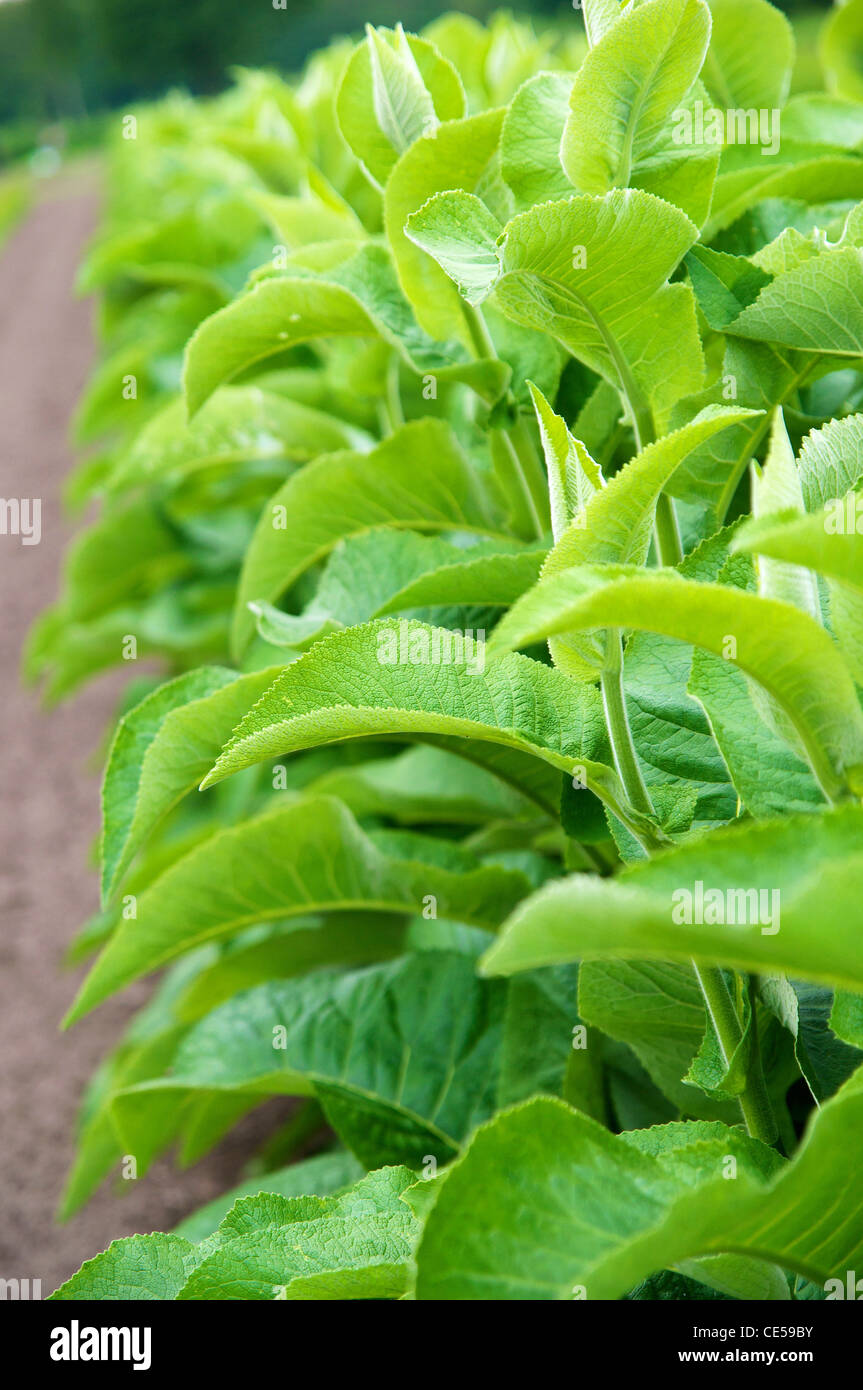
573,477
378,109
627,88
461,234
457,156
402,104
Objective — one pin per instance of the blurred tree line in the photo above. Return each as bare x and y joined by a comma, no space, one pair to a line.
61,59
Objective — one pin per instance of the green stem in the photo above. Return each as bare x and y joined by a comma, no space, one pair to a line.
516,440
392,404
477,327
619,732
518,473
754,1102
668,543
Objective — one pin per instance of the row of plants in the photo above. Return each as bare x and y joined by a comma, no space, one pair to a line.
477,447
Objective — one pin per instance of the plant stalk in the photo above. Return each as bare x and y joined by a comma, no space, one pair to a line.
619,732
754,1102
516,440
668,542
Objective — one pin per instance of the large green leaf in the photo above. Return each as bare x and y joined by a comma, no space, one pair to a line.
801,874
355,1245
320,1176
359,297
815,307
769,777
560,272
571,1236
403,1056
626,90
270,1246
384,678
455,156
152,1267
751,55
417,478
310,856
784,650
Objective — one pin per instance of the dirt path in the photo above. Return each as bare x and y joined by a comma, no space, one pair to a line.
49,805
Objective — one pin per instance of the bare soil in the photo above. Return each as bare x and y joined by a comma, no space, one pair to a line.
49,795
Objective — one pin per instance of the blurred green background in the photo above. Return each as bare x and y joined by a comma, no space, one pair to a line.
68,60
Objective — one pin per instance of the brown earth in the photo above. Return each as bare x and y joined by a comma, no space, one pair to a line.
49,795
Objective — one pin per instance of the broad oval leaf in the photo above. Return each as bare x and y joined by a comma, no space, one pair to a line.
569,1236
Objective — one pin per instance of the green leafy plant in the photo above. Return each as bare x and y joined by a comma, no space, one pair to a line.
489,494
